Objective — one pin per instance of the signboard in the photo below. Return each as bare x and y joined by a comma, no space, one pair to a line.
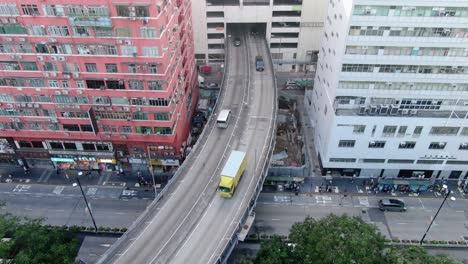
170,162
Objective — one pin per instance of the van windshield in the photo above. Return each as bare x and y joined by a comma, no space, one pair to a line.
224,189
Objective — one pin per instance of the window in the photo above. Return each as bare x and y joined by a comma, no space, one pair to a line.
407,145
148,32
359,129
430,162
29,66
123,10
346,143
140,116
155,85
81,31
9,10
372,160
400,161
163,130
342,160
418,130
35,125
128,50
437,145
71,127
135,85
115,85
463,146
153,68
102,147
53,83
389,130
58,31
69,145
141,11
402,130
126,129
110,67
150,51
53,10
56,145
30,10
123,32
91,67
162,116
86,128
88,146
446,131
376,144
65,84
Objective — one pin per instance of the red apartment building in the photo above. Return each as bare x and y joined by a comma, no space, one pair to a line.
90,84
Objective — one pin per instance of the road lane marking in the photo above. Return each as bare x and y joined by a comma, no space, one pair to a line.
421,203
58,190
28,209
273,219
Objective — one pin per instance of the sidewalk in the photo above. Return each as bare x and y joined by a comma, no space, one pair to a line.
50,176
341,185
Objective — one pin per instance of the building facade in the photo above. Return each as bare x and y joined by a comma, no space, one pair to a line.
291,27
391,89
93,84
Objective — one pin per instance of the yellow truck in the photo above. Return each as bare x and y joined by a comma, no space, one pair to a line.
232,172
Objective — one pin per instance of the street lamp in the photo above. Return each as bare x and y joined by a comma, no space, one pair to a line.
86,200
152,172
440,207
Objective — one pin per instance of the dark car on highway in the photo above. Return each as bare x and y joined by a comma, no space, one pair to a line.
392,205
237,42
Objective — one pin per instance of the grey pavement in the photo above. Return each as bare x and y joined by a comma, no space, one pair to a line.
64,205
276,213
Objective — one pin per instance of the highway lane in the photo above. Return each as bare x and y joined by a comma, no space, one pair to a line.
167,228
67,207
214,230
277,213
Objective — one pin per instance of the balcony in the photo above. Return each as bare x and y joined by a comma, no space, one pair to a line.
91,21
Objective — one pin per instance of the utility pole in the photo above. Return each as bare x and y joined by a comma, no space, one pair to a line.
87,205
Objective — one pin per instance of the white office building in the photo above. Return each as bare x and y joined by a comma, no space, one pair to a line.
291,27
391,89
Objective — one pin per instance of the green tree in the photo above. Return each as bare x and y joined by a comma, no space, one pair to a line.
275,251
33,243
337,239
414,255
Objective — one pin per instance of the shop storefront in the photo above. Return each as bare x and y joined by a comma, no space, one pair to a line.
137,164
83,163
35,158
7,152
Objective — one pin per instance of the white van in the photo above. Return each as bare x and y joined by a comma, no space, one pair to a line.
223,118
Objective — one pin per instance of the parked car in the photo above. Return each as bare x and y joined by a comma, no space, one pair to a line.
392,205
237,41
212,85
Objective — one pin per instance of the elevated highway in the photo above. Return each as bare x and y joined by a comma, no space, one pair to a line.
190,222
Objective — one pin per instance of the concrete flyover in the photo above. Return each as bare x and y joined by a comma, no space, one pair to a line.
190,222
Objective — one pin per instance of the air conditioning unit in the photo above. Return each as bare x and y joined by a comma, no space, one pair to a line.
19,56
40,58
373,110
53,74
404,111
10,105
138,109
46,74
21,39
394,109
12,56
128,42
65,92
132,18
413,111
61,58
362,110
66,76
119,41
36,105
109,108
52,40
384,109
22,104
76,74
8,39
403,143
79,91
372,143
123,136
58,93
126,109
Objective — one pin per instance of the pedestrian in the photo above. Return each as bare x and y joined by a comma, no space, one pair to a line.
58,170
121,171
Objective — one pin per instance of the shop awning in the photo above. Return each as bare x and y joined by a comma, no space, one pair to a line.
406,182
